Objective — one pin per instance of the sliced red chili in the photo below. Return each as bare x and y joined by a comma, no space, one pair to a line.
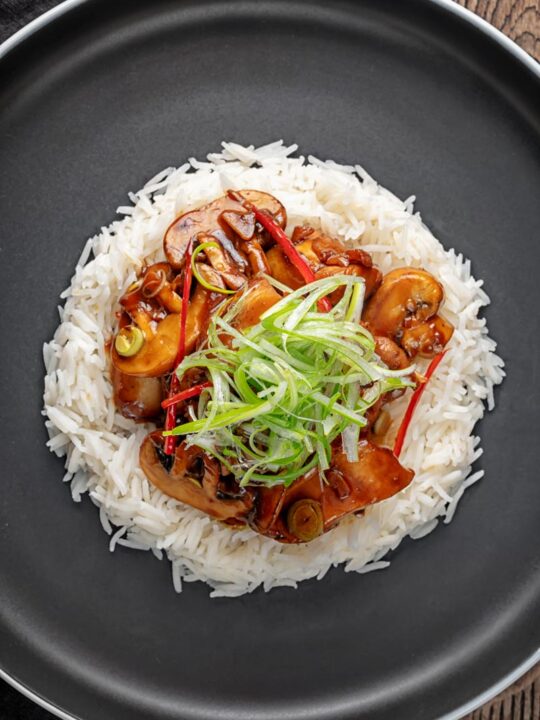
413,402
285,243
185,395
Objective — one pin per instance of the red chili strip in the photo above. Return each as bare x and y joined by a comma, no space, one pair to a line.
415,399
186,291
170,417
185,394
277,233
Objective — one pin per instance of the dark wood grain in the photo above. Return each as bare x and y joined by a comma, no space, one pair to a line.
520,702
519,19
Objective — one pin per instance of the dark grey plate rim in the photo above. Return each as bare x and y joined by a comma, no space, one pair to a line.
527,61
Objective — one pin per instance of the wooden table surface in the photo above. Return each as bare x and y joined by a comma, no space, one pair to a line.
520,20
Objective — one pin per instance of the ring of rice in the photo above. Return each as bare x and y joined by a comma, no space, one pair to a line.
101,447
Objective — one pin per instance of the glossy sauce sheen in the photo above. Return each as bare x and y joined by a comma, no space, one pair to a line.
234,251
207,220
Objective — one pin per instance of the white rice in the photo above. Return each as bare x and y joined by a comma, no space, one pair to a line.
101,447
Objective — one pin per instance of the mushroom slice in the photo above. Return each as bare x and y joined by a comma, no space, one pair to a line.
142,310
222,262
237,256
156,283
209,275
376,476
243,223
359,256
257,259
208,218
157,355
428,338
394,357
194,479
407,296
311,506
390,353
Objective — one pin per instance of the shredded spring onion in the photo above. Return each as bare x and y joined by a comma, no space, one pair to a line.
283,390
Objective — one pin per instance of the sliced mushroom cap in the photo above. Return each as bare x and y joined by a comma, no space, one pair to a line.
207,219
265,201
157,355
143,311
428,338
376,476
243,223
156,284
222,263
194,479
257,258
390,353
233,249
394,357
407,296
348,487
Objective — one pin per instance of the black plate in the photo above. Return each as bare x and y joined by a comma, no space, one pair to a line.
91,105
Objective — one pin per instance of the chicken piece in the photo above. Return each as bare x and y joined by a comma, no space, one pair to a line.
371,275
327,256
282,269
257,299
158,353
138,398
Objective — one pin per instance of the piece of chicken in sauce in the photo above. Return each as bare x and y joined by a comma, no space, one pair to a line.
219,255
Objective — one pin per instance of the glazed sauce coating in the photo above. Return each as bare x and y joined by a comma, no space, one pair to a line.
401,311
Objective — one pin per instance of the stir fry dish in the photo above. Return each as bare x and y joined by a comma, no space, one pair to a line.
268,363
